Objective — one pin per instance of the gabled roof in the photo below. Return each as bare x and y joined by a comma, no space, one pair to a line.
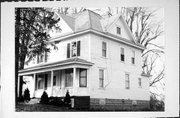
69,20
89,20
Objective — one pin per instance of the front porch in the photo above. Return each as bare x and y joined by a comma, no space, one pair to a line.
57,78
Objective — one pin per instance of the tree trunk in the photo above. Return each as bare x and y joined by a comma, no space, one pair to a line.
16,51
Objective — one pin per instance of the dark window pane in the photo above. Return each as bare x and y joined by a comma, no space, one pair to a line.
133,60
54,81
46,81
122,57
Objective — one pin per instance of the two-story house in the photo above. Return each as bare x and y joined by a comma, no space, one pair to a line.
97,57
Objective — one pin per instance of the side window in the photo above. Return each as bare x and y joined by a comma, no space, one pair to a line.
127,81
101,78
122,54
104,49
133,57
139,82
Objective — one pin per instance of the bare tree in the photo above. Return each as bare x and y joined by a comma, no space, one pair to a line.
146,30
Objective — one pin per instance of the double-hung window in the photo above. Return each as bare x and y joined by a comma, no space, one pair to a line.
127,81
139,82
118,30
104,49
133,57
122,54
101,78
42,57
83,78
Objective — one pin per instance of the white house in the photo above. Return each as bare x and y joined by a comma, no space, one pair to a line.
96,57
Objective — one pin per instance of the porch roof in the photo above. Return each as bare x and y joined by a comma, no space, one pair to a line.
68,63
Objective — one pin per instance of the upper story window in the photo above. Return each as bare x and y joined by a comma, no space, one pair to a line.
127,81
133,57
42,57
139,82
122,54
101,78
118,30
104,49
73,49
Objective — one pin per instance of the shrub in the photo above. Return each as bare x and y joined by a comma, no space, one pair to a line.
67,99
26,95
44,98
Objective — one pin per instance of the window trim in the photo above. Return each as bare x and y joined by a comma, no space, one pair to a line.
80,85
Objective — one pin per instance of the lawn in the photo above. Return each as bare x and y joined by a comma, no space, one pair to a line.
23,107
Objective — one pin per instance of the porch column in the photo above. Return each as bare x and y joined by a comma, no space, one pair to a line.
52,75
34,78
74,80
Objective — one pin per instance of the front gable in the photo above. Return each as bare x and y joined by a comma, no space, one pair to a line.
120,24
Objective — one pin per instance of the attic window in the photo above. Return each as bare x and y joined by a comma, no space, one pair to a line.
118,30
